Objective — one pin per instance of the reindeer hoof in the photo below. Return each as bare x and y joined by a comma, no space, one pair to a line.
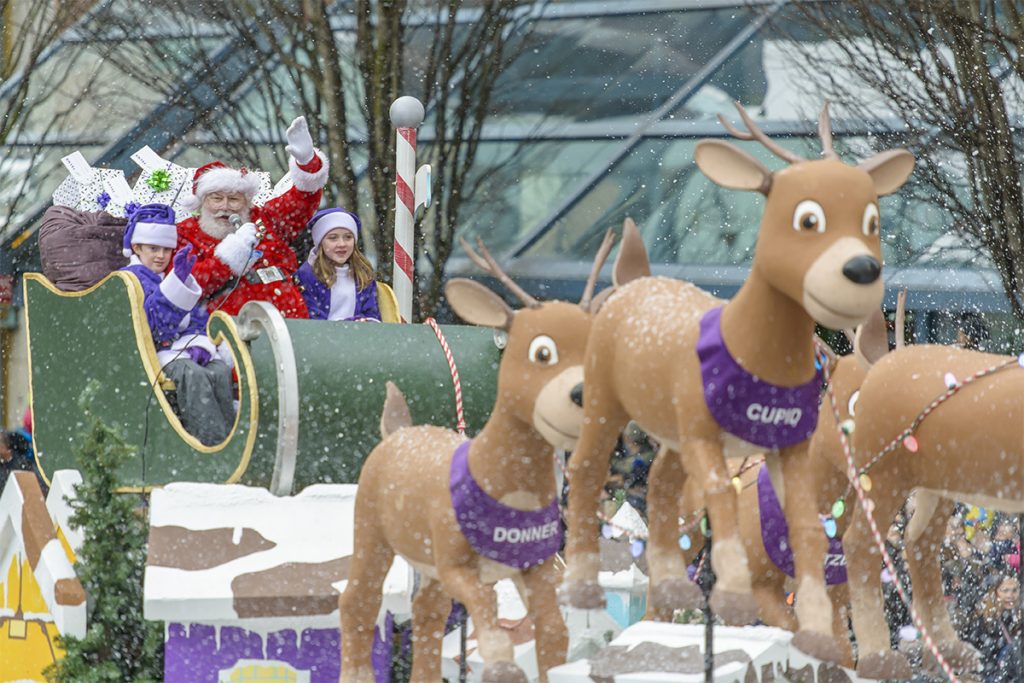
582,594
735,609
958,654
503,672
820,646
887,665
676,593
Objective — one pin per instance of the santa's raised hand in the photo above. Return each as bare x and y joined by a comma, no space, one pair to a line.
300,142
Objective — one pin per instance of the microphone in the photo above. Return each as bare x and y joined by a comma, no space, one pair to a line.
235,220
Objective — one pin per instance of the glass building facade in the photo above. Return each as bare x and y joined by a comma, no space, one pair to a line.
596,120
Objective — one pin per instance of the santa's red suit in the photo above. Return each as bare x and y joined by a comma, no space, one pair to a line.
233,272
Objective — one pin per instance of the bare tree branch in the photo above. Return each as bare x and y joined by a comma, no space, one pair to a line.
940,67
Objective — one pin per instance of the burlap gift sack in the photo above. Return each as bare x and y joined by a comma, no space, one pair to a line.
77,249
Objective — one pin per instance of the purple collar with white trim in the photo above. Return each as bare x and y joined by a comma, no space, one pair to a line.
517,538
746,406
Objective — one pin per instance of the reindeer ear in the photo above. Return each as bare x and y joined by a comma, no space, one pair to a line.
631,262
396,411
872,340
889,170
478,305
729,166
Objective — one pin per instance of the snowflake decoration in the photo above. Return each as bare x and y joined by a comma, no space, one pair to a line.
103,199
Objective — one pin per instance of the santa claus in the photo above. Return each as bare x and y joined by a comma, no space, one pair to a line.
244,251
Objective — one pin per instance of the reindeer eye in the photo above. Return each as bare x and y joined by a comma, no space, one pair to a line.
543,350
870,226
809,216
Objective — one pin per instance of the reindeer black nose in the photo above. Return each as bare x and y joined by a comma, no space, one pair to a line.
577,394
862,269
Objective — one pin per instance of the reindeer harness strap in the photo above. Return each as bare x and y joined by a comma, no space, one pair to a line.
744,405
517,538
775,535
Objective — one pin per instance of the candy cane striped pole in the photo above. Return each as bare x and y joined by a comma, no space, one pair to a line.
406,116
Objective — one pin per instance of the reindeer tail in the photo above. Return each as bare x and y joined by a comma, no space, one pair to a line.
396,412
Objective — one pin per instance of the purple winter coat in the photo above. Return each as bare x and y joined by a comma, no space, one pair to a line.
172,311
318,296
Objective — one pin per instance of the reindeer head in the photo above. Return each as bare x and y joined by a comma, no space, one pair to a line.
819,238
541,372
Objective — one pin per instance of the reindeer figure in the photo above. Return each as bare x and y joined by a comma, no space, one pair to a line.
969,447
829,481
466,514
706,379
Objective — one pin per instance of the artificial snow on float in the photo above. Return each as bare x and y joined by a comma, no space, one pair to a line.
248,582
652,652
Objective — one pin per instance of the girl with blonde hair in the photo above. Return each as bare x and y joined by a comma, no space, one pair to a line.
337,280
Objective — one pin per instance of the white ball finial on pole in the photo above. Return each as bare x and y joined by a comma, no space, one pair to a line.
406,116
406,112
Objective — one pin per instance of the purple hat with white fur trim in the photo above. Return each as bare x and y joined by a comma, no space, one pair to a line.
325,220
151,224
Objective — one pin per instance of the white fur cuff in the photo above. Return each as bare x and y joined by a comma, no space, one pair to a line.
305,181
234,253
224,354
184,295
187,341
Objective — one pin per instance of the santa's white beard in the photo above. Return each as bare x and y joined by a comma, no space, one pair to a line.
216,224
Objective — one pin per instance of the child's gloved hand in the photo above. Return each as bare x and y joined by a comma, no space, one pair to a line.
199,356
183,262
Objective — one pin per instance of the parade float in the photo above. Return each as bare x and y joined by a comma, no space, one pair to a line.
253,540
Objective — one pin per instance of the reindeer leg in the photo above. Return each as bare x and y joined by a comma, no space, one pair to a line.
360,603
768,582
875,659
670,587
430,609
769,593
462,582
840,598
810,545
551,637
731,598
603,420
924,533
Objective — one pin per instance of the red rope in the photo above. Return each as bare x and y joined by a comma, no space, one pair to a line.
460,416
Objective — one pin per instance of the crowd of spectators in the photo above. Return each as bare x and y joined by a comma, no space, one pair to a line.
980,561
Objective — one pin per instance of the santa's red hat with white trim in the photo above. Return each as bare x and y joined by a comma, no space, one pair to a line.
217,176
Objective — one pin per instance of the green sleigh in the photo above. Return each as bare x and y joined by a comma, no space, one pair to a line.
310,393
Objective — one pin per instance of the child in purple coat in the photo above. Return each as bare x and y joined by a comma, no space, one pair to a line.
178,324
337,280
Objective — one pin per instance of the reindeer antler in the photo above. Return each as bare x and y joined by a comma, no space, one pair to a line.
825,133
490,265
759,135
599,259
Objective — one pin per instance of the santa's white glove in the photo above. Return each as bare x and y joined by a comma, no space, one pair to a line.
300,142
247,233
236,249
